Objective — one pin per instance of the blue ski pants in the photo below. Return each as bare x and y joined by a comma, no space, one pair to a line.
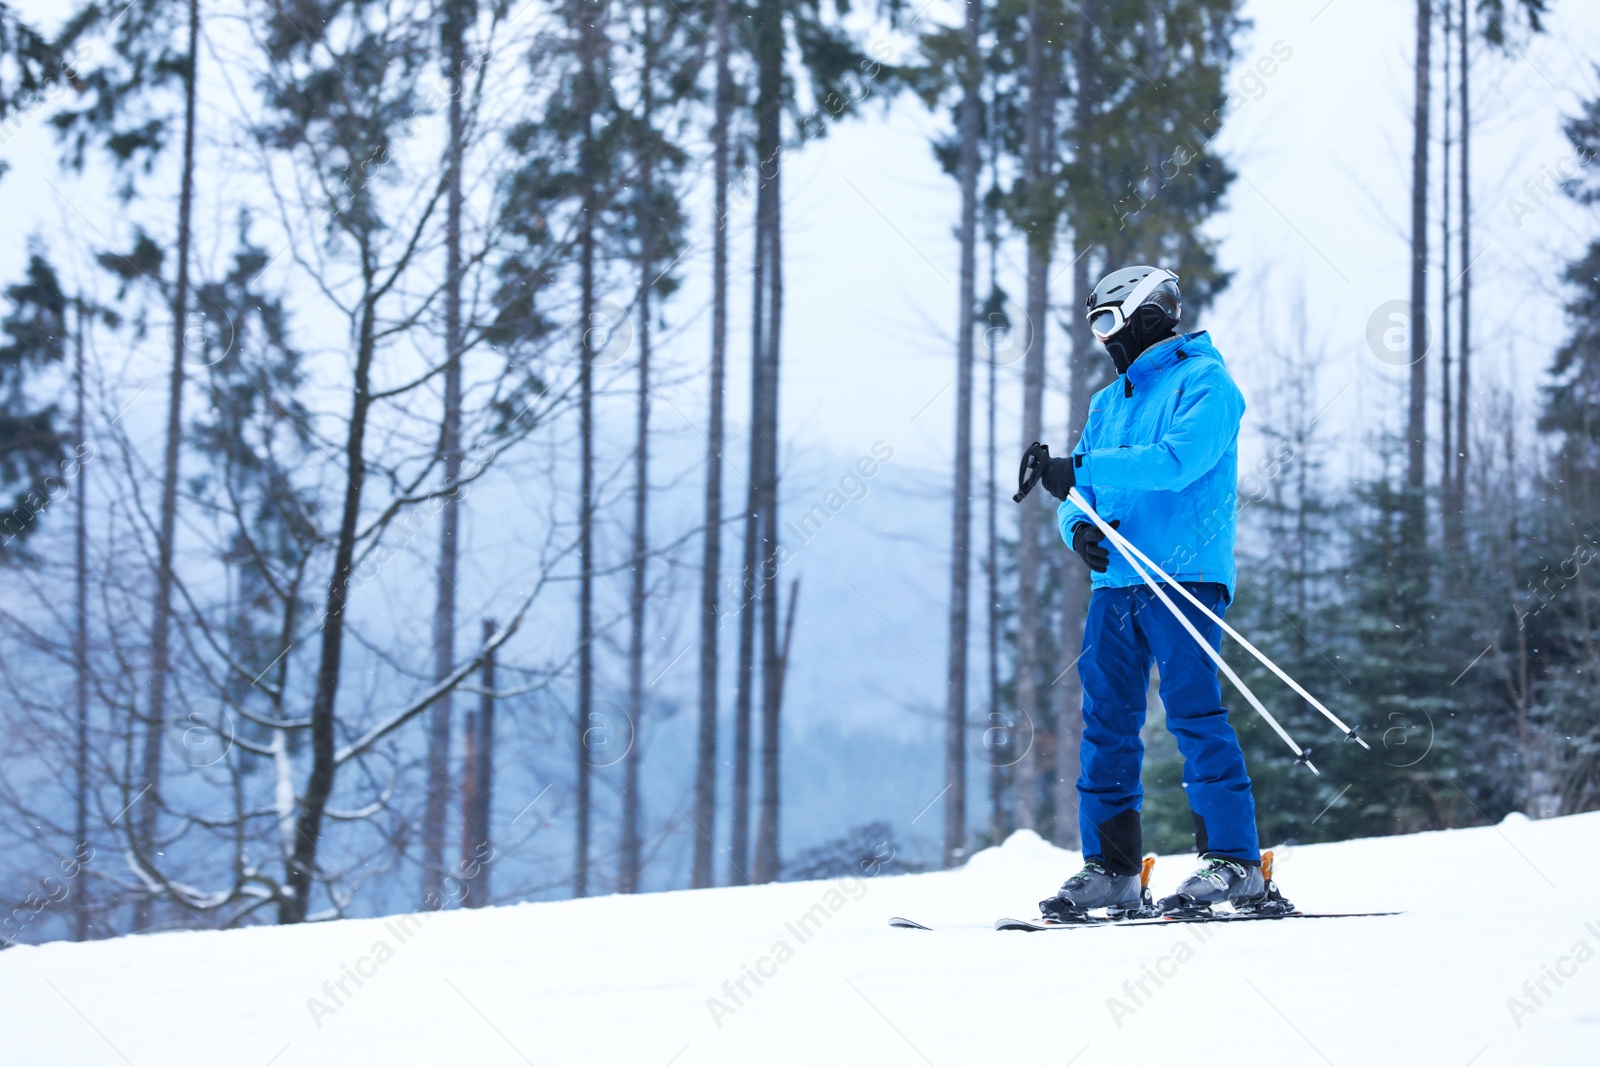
1127,628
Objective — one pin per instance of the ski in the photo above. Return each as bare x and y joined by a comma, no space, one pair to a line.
899,922
1040,925
1226,918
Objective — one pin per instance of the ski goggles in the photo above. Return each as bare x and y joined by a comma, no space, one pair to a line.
1107,319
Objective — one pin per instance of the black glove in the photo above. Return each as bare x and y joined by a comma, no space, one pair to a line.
1059,476
1086,542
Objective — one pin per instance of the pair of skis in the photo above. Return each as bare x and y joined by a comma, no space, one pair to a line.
1041,925
1171,910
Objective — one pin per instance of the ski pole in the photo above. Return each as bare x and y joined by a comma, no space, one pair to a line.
1130,549
1301,755
1031,470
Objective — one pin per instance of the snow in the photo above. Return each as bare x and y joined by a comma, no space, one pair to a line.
637,980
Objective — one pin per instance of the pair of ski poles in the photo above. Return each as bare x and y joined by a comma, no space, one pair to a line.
1032,469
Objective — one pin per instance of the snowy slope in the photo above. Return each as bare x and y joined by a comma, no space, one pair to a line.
628,981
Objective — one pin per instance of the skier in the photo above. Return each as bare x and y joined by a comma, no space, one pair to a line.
1158,459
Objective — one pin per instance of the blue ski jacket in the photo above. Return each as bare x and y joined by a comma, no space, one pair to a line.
1160,451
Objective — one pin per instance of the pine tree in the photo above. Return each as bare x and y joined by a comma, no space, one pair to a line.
668,59
35,62
1491,18
705,777
591,94
477,800
1087,371
456,17
1288,591
1398,659
82,920
1140,93
568,173
1416,411
836,73
1458,492
44,464
1035,212
31,446
253,433
145,58
1564,756
955,59
996,325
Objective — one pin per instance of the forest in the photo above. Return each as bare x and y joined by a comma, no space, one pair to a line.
407,506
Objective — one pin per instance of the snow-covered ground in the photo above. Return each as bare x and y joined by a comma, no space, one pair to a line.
1494,962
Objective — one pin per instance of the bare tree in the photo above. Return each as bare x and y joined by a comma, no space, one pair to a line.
369,261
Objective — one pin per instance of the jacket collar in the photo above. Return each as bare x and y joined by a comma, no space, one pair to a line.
1164,354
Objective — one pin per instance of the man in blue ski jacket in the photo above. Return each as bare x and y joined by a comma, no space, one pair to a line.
1158,459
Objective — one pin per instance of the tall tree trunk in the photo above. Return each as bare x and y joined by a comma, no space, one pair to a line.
705,774
1067,691
771,36
301,875
743,700
767,846
1416,415
435,813
589,94
471,748
1446,451
478,851
955,751
161,624
995,734
628,852
80,633
1040,239
1302,518
1465,343
993,740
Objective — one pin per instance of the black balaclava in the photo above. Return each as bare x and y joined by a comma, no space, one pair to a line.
1148,325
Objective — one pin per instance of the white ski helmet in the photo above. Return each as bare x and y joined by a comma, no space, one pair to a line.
1112,304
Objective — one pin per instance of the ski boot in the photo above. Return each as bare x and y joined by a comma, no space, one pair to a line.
1250,890
1123,896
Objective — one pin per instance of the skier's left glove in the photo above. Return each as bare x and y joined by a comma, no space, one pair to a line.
1088,543
1059,476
